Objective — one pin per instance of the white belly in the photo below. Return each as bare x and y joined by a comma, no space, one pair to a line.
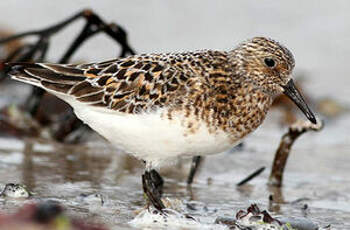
150,137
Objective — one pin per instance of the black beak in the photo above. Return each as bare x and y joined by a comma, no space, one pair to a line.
291,91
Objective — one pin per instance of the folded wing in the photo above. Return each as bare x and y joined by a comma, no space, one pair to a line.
129,85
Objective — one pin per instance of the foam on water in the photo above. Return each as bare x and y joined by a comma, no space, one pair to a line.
174,220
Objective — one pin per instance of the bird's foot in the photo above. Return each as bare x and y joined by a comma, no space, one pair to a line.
152,184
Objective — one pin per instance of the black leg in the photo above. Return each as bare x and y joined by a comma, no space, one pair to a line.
152,184
158,181
196,160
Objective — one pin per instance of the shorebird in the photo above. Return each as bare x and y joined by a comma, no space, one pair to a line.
158,107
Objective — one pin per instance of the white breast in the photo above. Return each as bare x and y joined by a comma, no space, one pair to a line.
150,137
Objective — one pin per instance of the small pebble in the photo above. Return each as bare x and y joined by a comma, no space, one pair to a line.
299,223
15,191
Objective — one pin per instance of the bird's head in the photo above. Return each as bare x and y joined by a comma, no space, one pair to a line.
268,65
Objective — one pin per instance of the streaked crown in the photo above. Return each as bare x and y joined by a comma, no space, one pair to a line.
264,62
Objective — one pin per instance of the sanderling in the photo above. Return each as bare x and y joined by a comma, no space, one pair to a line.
158,107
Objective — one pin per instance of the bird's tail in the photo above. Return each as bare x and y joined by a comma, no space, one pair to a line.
52,77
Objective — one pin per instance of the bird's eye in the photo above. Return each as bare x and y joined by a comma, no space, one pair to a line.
269,62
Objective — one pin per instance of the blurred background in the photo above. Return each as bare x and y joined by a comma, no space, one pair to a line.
317,33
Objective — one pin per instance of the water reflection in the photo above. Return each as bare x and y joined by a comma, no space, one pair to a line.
70,164
28,177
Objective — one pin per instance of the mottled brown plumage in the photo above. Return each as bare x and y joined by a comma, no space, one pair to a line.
229,92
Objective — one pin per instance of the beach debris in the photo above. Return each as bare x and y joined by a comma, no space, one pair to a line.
255,219
251,176
295,130
7,49
12,49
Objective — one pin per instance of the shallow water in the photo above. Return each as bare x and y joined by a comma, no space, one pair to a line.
316,175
